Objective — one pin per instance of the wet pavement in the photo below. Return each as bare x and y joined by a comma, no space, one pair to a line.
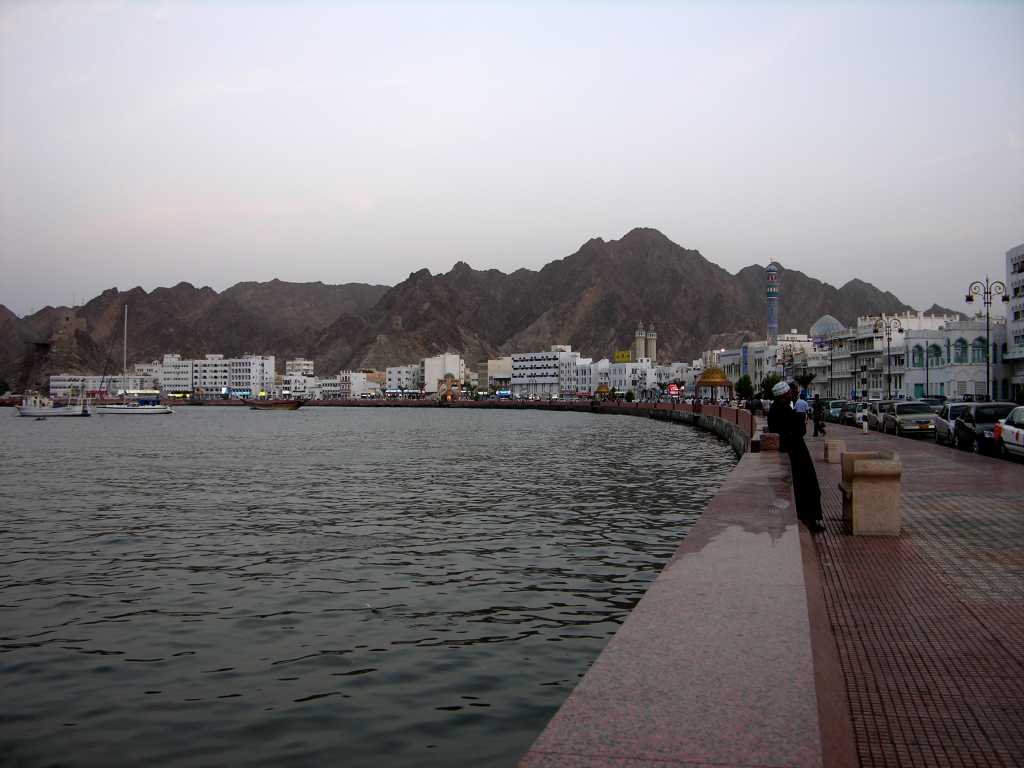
929,626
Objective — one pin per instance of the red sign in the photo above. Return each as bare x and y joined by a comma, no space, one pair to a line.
673,389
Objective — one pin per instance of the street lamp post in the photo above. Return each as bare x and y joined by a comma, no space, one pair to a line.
832,346
987,290
888,325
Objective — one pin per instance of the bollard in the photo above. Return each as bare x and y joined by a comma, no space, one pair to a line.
864,426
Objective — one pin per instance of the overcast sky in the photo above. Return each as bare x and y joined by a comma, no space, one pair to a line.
149,143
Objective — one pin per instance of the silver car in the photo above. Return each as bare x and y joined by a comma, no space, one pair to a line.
944,422
913,418
876,413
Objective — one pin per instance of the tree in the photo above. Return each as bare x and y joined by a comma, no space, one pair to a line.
745,387
805,379
629,396
4,389
767,383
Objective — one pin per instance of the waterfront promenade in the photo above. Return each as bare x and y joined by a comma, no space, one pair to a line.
762,645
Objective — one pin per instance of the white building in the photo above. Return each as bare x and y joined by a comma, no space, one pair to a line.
216,376
545,374
950,361
637,377
434,370
403,378
1014,351
300,366
352,384
499,373
66,385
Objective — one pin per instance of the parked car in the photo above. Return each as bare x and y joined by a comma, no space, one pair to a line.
909,418
935,401
876,413
974,429
1009,434
835,408
944,421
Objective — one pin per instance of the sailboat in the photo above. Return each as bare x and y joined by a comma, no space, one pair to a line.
124,406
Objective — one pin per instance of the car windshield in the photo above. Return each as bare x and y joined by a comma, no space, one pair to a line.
903,410
956,410
988,413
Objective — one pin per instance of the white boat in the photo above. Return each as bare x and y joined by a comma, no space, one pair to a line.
39,406
130,408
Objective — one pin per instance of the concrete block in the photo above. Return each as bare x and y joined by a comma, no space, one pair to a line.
871,493
834,450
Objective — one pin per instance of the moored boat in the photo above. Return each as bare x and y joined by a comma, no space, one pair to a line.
275,405
37,405
133,408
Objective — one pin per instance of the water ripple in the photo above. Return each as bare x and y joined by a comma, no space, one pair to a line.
410,588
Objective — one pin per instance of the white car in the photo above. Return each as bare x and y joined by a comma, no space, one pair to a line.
1011,433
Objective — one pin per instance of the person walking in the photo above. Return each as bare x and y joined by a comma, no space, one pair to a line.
790,427
818,411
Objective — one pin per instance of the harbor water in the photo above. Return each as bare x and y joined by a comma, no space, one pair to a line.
330,586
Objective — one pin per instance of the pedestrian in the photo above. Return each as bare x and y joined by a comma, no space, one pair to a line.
818,409
800,405
789,426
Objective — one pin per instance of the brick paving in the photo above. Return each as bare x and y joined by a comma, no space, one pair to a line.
929,626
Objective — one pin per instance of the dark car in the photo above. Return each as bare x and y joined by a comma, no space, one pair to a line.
973,429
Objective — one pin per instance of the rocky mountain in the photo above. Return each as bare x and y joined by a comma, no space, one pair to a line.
275,317
592,300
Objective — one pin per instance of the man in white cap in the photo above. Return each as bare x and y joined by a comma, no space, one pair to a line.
790,427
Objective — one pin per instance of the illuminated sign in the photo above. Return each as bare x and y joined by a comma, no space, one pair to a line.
621,356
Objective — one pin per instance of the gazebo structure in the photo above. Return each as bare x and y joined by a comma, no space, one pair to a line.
713,383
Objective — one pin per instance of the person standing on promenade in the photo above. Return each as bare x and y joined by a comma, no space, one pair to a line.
790,427
800,405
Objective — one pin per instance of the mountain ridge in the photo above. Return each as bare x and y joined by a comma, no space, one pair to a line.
591,299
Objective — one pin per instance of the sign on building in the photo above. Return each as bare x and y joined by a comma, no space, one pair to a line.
622,356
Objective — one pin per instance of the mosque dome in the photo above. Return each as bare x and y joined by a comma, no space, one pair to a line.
825,326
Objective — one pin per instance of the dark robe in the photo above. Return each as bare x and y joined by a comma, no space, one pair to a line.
790,427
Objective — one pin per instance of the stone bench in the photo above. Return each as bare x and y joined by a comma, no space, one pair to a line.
834,450
871,492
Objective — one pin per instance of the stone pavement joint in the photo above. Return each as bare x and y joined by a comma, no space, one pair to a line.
929,626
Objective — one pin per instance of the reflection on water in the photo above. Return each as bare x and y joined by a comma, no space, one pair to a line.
325,586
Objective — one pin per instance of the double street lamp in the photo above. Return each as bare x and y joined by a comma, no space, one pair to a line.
987,290
888,325
832,346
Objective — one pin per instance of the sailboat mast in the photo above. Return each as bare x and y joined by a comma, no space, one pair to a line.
124,359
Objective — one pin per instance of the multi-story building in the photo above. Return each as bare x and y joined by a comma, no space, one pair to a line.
176,375
66,385
352,384
300,366
545,374
251,376
1014,351
950,361
434,371
499,374
403,378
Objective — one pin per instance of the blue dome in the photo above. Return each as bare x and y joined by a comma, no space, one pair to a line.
825,326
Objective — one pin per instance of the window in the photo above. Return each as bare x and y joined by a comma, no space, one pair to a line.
960,352
917,357
978,351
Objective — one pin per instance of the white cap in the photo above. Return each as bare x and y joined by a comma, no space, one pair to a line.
780,389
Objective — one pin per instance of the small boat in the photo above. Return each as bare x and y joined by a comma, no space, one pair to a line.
39,406
135,409
275,405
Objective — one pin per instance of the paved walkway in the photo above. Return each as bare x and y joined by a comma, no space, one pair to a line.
929,626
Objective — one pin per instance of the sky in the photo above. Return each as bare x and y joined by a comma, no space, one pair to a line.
149,143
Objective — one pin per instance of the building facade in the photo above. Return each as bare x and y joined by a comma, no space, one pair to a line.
1014,351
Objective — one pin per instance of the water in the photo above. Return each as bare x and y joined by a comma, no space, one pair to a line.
355,587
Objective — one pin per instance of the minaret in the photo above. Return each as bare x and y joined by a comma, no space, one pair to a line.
639,342
772,294
652,344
